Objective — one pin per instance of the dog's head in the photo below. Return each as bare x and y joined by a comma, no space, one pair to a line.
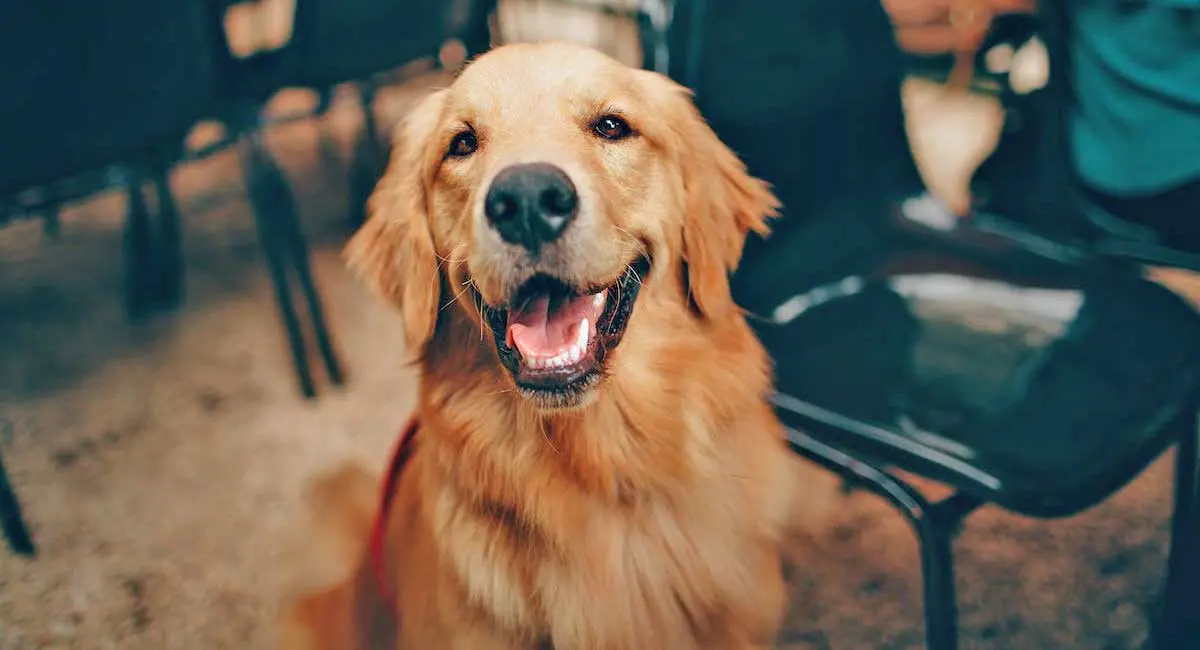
554,186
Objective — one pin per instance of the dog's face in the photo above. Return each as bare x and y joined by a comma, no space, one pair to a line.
552,184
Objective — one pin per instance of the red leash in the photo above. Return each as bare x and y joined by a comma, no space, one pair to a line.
400,458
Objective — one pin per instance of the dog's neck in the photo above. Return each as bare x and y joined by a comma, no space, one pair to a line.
642,428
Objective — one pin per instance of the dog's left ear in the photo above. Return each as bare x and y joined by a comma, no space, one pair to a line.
723,203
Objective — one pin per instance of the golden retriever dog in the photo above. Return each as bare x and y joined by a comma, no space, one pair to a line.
595,465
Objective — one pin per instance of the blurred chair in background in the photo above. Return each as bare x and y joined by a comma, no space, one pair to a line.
104,95
1018,367
332,42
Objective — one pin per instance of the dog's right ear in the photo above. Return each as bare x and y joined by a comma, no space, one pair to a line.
393,251
723,203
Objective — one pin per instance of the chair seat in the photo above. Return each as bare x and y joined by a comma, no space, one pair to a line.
1011,368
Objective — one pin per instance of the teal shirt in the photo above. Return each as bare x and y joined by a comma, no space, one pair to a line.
1137,72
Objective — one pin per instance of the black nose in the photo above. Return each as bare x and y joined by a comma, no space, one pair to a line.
531,204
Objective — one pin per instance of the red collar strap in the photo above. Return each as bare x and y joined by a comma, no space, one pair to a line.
400,458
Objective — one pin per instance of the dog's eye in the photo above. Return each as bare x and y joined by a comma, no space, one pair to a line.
463,144
611,127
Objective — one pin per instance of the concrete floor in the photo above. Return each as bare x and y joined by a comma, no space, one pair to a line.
161,463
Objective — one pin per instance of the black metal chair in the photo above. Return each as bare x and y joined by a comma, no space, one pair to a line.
109,92
104,95
1019,371
1030,371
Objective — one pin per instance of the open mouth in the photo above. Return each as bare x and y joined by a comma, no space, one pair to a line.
553,338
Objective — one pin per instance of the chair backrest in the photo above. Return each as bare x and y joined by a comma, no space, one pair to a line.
805,91
86,84
343,40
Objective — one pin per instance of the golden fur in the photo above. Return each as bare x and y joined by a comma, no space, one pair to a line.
652,514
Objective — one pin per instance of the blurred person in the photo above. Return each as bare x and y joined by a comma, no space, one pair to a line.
1134,126
932,26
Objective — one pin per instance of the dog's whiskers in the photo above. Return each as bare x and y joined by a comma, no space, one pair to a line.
466,287
626,232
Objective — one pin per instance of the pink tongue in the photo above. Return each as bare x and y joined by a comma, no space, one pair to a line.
536,330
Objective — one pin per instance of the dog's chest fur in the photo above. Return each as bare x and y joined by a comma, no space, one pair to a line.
638,523
656,573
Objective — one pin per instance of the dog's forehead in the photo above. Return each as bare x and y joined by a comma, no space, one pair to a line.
529,81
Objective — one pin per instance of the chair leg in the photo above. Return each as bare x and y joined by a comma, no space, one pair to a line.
1187,481
1179,627
934,524
16,532
169,292
292,233
139,248
937,575
272,203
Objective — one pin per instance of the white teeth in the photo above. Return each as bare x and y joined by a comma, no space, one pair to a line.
568,357
575,353
581,338
598,299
